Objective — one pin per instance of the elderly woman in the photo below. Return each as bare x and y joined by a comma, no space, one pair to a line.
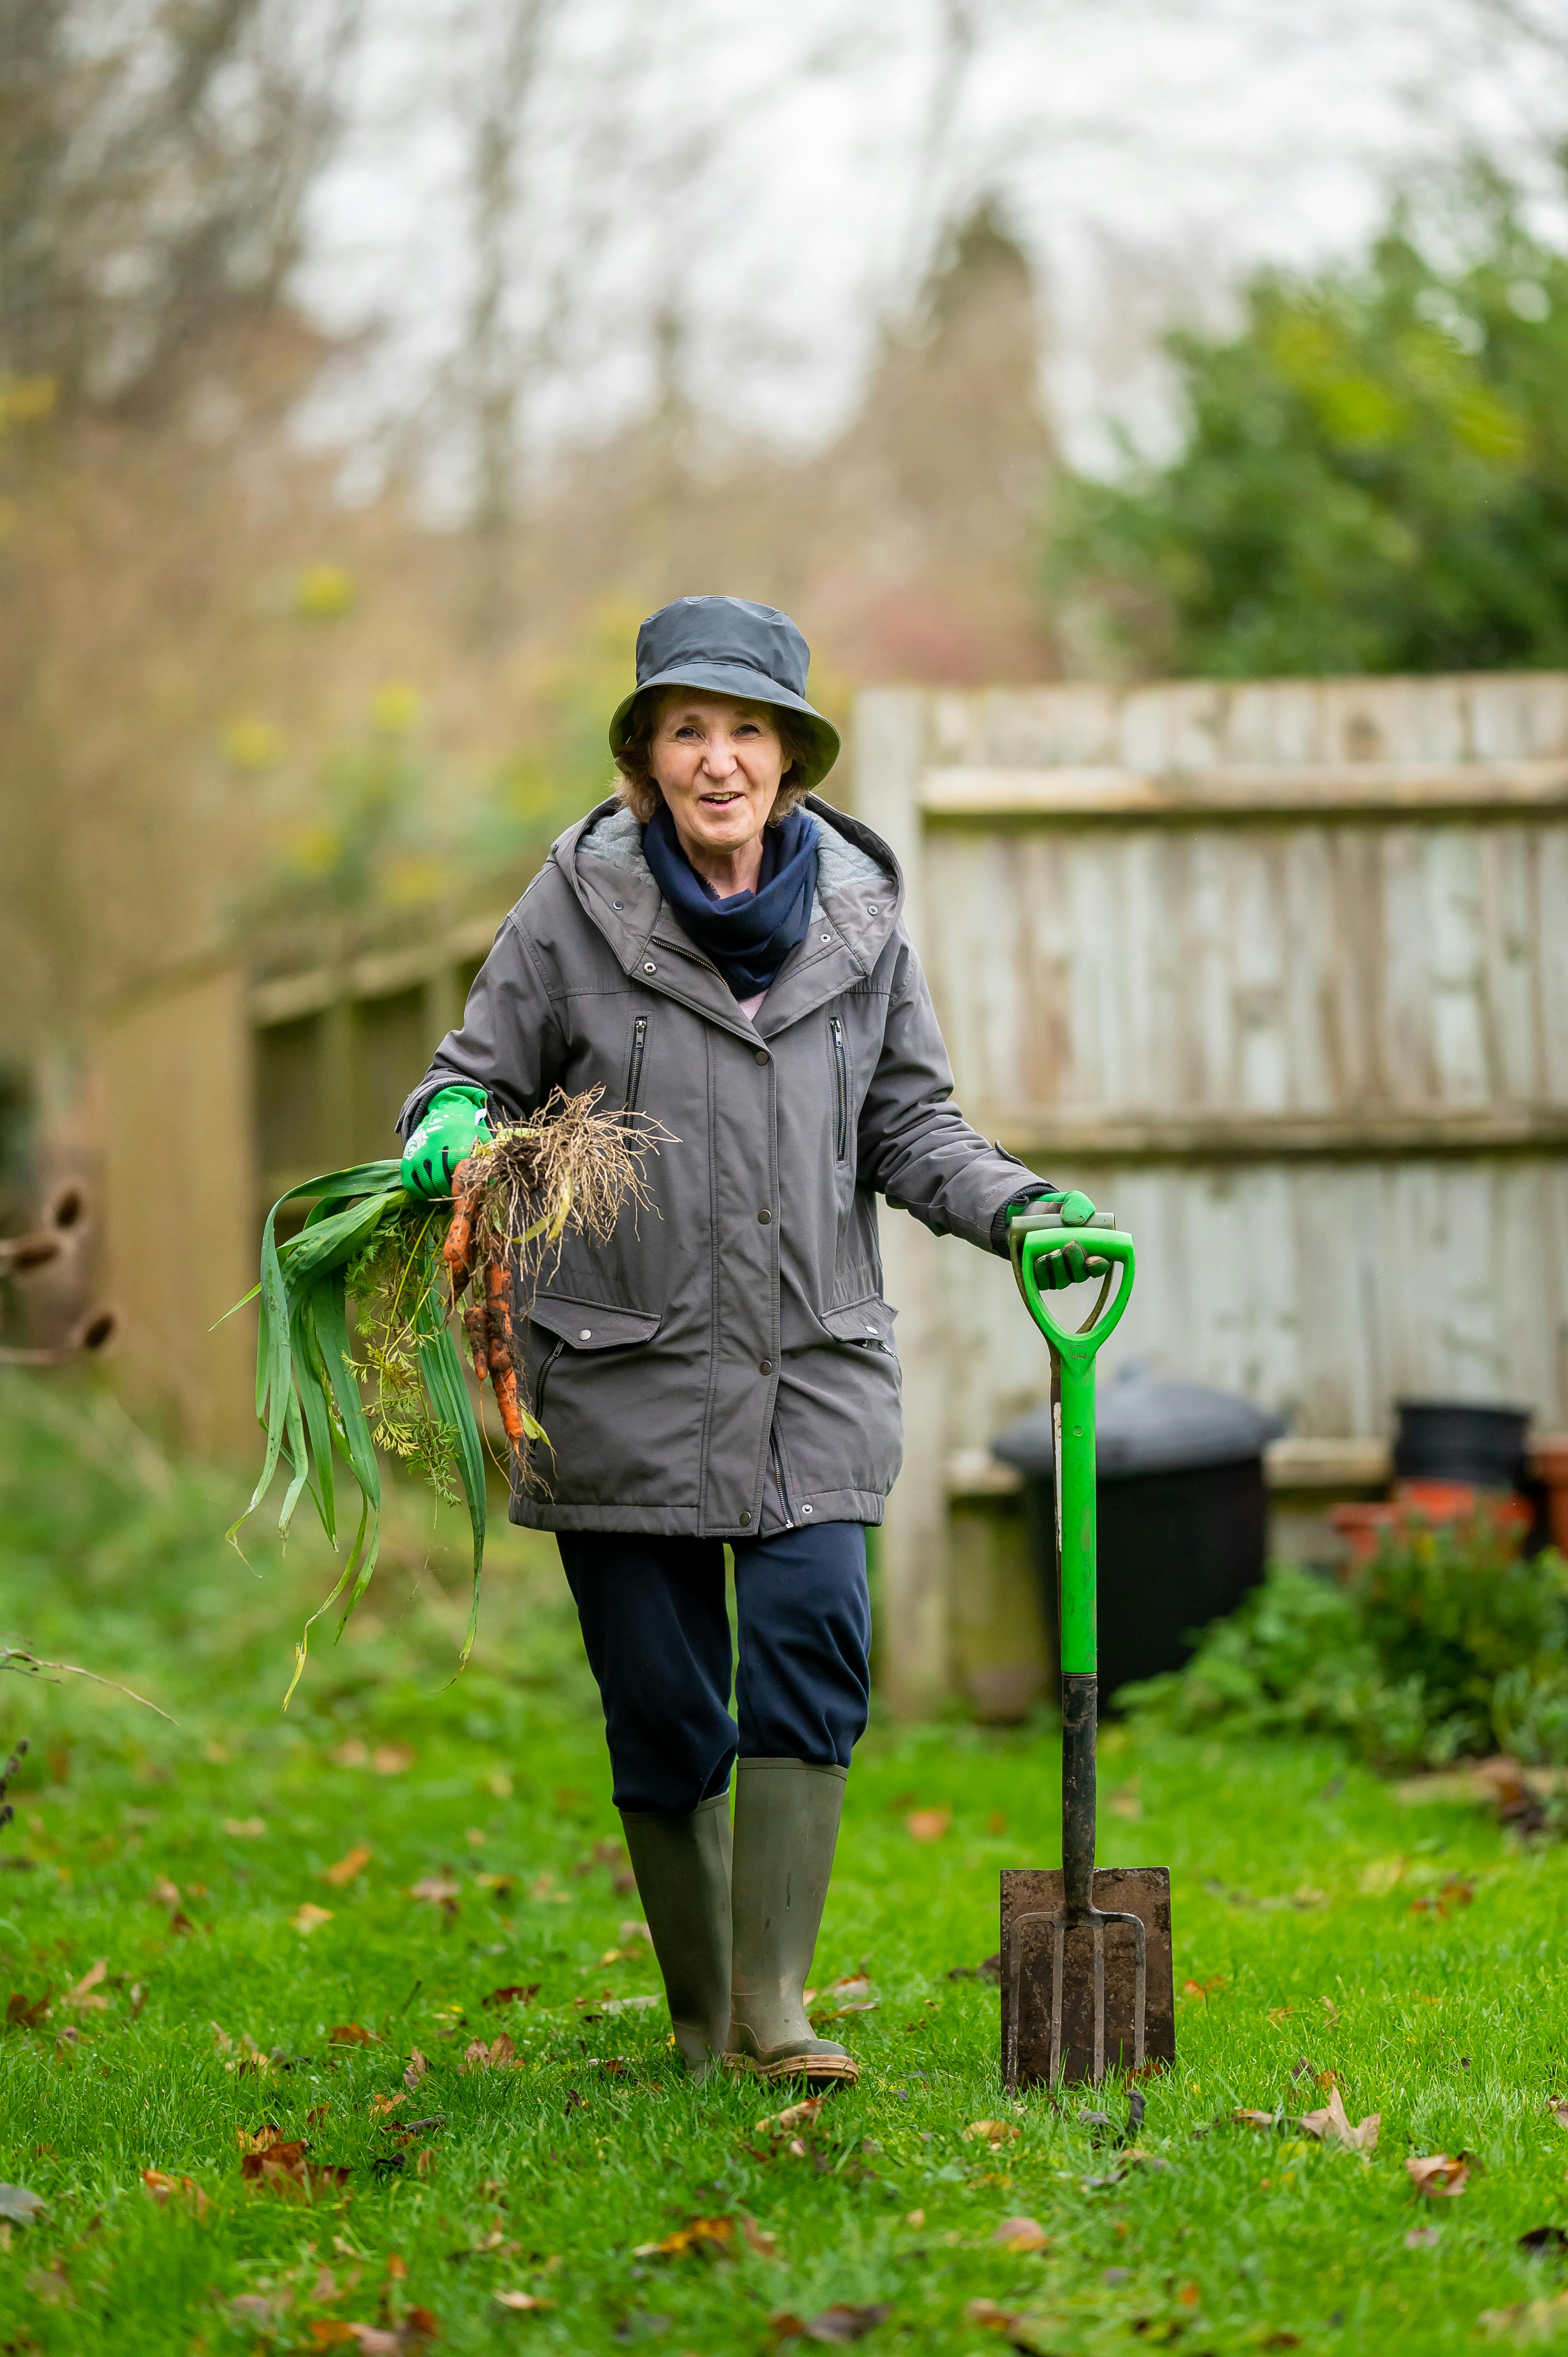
717,947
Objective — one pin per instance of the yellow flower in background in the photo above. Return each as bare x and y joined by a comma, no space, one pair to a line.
410,882
316,850
25,400
253,745
395,708
323,593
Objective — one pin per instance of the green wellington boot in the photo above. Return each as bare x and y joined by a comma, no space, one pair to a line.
786,1825
682,1869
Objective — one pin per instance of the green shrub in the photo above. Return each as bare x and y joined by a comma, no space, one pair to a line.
1446,1644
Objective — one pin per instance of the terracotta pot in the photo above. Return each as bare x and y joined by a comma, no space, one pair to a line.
1427,1505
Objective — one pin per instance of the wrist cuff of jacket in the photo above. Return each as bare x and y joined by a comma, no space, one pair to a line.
1038,1191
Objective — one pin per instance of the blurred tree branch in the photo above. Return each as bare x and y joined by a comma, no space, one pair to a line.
154,164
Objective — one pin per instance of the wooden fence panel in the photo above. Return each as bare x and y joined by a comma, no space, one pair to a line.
1280,972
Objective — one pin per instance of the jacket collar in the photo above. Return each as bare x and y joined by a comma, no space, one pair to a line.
859,892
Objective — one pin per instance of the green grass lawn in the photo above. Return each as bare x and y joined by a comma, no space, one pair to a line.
181,1857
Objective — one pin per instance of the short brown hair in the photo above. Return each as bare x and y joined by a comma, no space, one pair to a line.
639,788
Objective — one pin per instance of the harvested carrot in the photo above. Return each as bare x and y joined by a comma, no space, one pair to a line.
457,1252
502,1350
477,1326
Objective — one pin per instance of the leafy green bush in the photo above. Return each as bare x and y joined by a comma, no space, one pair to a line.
1373,474
1446,1644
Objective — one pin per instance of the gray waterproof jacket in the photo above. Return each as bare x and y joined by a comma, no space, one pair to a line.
725,1367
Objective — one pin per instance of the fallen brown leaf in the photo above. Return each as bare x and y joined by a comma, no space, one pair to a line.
81,1995
245,1829
515,1993
928,1824
995,2133
350,2033
1021,2235
1333,2127
1437,2174
989,2316
766,2245
437,1889
391,1759
1259,2120
799,2116
351,1754
1422,2238
18,2207
250,2307
1528,2320
417,2067
521,2303
1556,2104
162,2189
836,2325
282,2167
310,1917
348,1866
165,1893
1205,1989
52,2286
1453,1893
500,2054
699,2235
22,2013
261,2140
382,2105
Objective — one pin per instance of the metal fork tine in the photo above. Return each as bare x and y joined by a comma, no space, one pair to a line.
1058,1959
1098,2001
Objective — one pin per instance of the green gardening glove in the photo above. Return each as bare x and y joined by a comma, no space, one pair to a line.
1055,1271
454,1122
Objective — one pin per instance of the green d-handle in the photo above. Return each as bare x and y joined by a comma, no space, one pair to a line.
1074,1355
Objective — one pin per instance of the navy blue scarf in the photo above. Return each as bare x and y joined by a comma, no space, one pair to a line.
749,935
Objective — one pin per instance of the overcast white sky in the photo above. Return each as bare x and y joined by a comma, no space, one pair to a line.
774,172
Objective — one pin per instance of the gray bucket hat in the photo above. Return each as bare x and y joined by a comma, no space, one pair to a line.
731,647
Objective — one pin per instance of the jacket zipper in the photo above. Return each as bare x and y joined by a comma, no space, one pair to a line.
777,1455
634,1069
537,1402
842,1069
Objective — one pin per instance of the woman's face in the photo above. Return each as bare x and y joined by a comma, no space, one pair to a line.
717,763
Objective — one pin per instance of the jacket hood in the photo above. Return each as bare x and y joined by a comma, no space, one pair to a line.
860,886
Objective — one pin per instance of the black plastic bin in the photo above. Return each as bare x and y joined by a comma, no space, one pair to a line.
1183,1516
1475,1441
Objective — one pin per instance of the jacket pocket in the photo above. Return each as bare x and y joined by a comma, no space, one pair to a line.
840,1083
634,1064
593,1325
868,1325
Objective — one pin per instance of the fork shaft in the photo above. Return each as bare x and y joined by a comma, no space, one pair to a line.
1079,1703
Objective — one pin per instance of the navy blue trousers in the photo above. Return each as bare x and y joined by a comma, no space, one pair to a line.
658,1637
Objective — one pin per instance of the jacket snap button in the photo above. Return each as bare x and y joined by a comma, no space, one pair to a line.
649,967
870,907
765,1218
744,1520
761,1053
587,1335
764,1366
621,904
805,1510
